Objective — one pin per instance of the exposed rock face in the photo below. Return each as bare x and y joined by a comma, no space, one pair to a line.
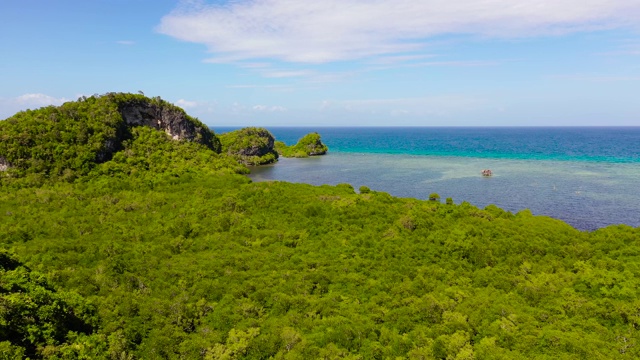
316,148
4,164
171,120
260,148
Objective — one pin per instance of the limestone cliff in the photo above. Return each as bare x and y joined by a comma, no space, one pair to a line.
168,118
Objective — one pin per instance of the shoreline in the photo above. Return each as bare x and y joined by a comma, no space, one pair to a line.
586,195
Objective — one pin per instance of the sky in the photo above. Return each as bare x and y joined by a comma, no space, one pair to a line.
333,62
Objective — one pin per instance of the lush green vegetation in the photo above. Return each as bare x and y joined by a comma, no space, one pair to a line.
308,145
250,146
34,317
167,251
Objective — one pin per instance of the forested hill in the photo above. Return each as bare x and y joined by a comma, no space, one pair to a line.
68,141
166,250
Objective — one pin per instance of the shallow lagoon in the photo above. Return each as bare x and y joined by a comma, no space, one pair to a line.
587,195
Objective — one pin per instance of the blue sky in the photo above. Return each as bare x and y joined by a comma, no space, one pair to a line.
333,62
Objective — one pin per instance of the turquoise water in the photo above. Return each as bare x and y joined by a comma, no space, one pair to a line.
588,177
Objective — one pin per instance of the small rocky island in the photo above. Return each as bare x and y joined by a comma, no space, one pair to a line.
308,145
257,146
250,146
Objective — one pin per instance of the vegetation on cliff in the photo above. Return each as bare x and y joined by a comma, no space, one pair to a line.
308,145
250,146
167,251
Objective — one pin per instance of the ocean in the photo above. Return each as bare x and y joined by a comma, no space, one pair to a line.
587,177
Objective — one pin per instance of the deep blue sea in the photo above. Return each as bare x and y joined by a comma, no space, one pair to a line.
588,177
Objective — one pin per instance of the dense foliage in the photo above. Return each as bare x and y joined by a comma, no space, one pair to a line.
250,146
168,251
34,317
308,145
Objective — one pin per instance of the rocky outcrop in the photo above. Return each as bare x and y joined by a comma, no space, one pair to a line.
308,145
250,146
4,164
314,145
170,119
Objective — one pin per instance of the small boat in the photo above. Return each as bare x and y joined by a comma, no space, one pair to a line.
486,172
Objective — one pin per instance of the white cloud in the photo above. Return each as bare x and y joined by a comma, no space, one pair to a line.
38,100
286,74
460,63
625,48
264,108
440,106
10,106
125,42
254,86
389,60
599,78
334,30
186,103
255,65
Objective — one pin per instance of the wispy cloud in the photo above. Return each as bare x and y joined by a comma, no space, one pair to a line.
125,42
186,103
255,86
264,108
334,30
625,48
286,73
400,59
460,63
596,77
9,106
440,106
38,100
255,65
240,109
